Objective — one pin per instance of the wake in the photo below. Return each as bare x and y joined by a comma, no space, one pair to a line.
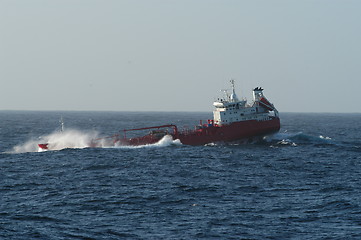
293,139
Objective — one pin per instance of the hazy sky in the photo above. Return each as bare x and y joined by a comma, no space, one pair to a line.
168,55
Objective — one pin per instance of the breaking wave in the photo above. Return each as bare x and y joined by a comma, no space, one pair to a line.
58,140
166,141
72,138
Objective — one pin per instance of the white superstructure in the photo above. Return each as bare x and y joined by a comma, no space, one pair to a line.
231,109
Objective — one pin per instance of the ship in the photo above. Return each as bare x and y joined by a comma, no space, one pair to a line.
233,120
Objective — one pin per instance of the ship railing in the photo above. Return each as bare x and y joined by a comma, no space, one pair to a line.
199,128
185,130
174,127
117,137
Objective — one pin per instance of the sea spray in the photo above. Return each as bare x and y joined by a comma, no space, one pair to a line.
166,141
69,138
29,146
72,138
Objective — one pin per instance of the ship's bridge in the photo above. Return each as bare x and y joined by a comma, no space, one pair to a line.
227,104
231,109
231,100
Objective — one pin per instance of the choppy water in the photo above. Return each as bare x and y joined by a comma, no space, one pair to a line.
302,183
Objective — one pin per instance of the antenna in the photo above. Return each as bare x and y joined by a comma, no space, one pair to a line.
232,82
226,93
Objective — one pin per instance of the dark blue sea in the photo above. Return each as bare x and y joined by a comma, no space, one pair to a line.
301,183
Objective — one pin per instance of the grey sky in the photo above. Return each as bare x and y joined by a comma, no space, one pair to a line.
167,55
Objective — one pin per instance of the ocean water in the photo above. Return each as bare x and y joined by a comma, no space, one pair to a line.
301,183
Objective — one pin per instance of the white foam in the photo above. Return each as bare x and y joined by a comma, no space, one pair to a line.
287,138
69,138
166,141
72,138
326,138
281,136
287,142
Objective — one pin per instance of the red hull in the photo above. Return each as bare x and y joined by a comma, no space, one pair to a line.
43,146
232,132
210,134
151,138
137,141
207,133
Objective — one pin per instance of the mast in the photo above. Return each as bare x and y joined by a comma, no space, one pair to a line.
61,124
233,97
